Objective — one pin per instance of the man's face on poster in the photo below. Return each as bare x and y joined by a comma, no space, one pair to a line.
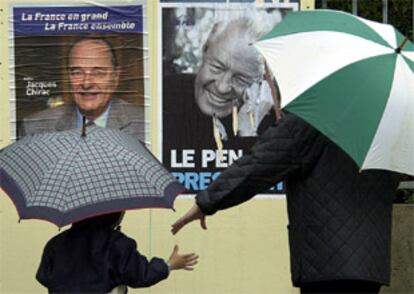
229,66
92,75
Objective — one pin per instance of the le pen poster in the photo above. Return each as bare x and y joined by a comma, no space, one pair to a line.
212,99
215,100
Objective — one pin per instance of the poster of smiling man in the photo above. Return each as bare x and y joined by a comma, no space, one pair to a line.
215,98
79,60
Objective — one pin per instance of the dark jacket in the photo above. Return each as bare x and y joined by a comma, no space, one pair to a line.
96,259
339,218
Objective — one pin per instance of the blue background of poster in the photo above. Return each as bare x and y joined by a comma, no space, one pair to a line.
79,19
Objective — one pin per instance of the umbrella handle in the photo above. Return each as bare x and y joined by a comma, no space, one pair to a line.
398,50
275,93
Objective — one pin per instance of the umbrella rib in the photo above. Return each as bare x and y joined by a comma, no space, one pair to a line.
67,165
127,156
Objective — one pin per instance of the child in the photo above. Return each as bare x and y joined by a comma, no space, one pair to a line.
94,256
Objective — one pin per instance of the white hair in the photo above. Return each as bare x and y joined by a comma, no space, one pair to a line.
251,23
192,41
249,26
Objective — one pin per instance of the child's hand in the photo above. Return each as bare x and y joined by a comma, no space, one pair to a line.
182,261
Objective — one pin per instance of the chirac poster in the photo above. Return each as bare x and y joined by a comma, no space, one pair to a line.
215,100
68,58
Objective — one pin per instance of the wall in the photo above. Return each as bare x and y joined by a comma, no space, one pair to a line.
244,250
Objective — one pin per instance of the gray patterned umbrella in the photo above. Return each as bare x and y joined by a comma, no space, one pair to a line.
63,177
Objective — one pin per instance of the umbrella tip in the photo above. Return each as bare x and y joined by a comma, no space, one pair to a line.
83,127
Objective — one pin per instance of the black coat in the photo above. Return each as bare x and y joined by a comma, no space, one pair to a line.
339,219
96,260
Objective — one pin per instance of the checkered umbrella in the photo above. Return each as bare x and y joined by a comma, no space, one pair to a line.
63,177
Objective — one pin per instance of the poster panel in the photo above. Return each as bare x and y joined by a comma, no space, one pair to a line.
53,83
215,100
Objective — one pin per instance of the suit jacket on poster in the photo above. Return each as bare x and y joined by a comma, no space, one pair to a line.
339,218
123,115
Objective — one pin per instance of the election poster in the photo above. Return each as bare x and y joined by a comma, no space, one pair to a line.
215,99
73,60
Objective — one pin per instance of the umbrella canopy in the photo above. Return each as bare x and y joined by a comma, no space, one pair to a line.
64,177
350,78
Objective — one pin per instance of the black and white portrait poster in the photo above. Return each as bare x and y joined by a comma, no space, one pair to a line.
215,100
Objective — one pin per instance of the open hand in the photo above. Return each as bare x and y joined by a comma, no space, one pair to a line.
193,214
182,261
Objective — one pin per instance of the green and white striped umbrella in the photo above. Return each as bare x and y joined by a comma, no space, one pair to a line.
350,78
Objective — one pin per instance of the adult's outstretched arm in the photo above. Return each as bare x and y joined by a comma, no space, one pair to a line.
280,152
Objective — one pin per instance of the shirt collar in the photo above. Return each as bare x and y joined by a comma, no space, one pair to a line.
100,121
